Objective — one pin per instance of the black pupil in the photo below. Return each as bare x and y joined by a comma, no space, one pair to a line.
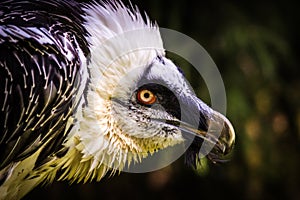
146,95
161,95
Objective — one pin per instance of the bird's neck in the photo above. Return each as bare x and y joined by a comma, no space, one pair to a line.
94,145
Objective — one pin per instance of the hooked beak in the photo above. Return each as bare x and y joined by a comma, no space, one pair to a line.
215,140
211,133
214,137
220,138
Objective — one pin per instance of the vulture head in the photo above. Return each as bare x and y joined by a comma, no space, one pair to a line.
137,101
87,89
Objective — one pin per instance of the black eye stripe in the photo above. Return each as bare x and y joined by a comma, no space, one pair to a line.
165,97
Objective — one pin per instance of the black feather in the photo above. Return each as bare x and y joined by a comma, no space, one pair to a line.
37,80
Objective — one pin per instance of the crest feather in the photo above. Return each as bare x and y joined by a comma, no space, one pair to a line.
120,40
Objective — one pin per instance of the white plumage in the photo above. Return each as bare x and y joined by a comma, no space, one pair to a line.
82,70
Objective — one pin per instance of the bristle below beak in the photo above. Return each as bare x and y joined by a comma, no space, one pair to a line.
215,143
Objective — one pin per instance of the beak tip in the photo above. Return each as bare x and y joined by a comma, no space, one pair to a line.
226,140
230,138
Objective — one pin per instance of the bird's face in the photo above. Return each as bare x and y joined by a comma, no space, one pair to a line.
154,107
138,100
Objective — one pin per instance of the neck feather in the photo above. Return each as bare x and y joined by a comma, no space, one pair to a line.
120,41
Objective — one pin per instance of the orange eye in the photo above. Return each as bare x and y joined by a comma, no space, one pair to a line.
146,97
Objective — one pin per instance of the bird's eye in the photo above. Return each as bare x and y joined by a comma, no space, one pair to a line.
146,97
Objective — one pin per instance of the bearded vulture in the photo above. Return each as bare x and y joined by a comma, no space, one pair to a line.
86,89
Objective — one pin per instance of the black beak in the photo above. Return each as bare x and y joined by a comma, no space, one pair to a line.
215,142
208,133
212,134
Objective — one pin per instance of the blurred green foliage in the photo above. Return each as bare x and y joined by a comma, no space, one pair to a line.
255,45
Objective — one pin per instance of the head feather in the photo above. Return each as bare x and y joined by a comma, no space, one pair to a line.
121,40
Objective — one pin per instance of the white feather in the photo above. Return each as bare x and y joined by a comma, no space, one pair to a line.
121,41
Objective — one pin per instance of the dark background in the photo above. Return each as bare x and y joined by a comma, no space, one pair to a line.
256,48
